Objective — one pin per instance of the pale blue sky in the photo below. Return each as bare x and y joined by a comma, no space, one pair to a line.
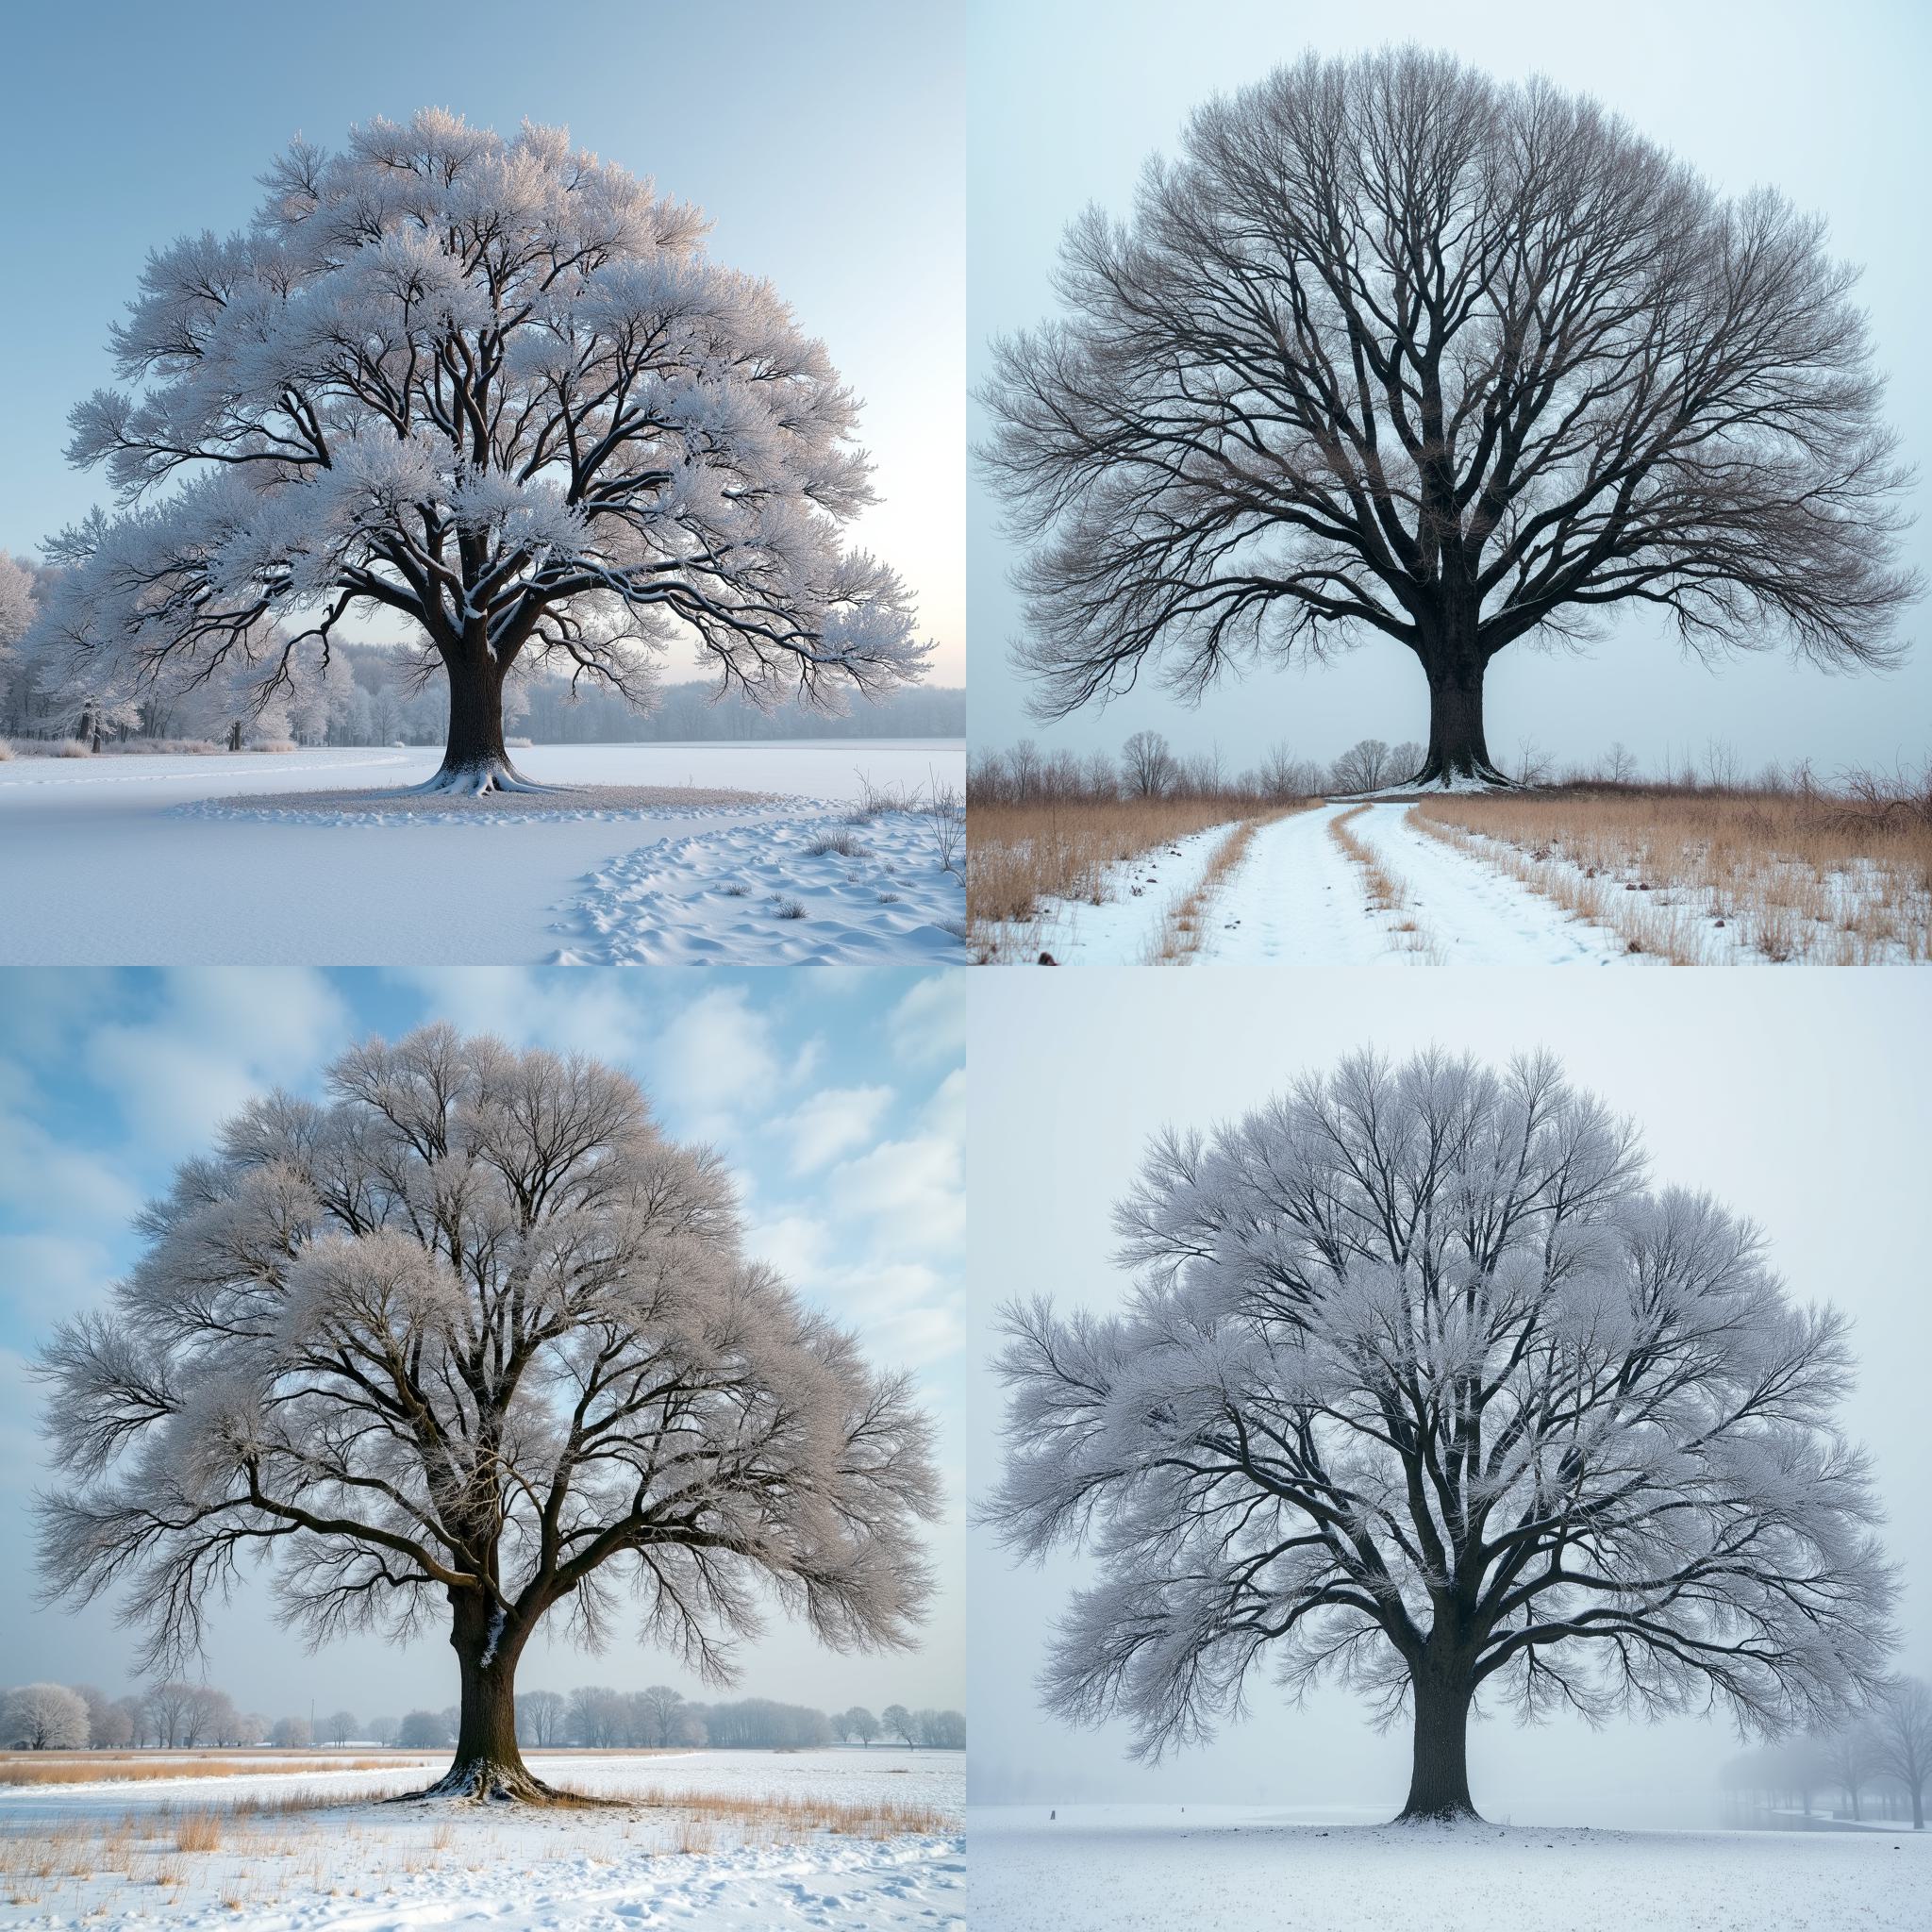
837,1099
1066,102
826,144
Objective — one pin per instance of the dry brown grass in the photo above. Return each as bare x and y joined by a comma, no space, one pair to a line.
786,1820
1017,856
90,1767
1702,879
1387,893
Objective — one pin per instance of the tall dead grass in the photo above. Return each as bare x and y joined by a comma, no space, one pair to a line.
1061,848
1387,893
93,1767
1705,877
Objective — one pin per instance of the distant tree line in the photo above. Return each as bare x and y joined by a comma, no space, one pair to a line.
1148,767
178,1715
373,693
1875,1767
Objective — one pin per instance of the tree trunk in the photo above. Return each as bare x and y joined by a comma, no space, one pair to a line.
1443,1688
474,760
1458,753
1918,1807
488,1763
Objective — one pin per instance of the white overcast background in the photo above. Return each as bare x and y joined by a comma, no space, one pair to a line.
1797,1097
837,1099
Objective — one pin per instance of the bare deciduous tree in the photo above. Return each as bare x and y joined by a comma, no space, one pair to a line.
493,388
1902,1738
1421,1386
471,1342
1395,351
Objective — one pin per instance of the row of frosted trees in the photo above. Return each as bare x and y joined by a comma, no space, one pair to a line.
1874,1769
178,1715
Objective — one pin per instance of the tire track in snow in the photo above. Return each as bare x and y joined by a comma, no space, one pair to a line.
1295,900
1475,916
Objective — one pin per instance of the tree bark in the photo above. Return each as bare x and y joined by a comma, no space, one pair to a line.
1459,752
1444,1688
489,1763
474,758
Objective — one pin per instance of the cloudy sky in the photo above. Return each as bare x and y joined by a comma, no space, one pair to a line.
1797,1098
1827,105
836,1097
828,151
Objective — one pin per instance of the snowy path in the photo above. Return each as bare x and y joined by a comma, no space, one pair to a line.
1224,1869
1296,899
1475,916
98,865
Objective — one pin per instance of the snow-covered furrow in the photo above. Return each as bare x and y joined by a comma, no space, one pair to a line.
799,889
1472,915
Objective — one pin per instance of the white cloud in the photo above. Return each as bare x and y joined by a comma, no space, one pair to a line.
220,1038
832,1122
566,1011
50,1276
912,1191
716,1056
43,1179
929,1021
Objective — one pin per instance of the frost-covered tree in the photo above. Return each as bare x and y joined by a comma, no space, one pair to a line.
1421,1386
496,388
470,1342
1901,1726
338,1728
45,1716
898,1722
16,607
865,1727
424,1730
291,1734
1395,352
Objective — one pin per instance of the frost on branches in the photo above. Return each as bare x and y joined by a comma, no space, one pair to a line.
1421,1386
470,1344
495,386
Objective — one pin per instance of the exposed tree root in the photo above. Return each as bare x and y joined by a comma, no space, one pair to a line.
475,779
482,1782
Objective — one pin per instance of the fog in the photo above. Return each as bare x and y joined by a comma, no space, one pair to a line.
1068,102
1797,1097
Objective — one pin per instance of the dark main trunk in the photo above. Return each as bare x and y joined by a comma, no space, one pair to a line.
1443,1688
1458,751
476,716
488,1762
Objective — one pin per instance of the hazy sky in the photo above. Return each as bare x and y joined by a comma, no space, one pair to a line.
836,1097
1797,1097
827,149
1065,104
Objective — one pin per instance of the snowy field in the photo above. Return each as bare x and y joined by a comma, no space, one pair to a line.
703,1837
1297,899
1225,1869
140,860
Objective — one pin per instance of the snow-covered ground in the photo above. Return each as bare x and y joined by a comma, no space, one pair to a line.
1123,927
126,860
1295,898
1225,1869
363,1867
